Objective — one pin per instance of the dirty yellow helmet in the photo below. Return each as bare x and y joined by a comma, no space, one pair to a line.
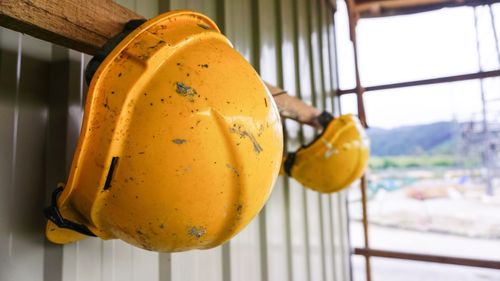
335,159
180,146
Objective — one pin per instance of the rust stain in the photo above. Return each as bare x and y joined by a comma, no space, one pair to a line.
239,208
244,134
185,91
157,44
261,130
197,232
203,26
143,240
233,169
179,141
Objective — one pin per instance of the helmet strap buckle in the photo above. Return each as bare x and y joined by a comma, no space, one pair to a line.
53,214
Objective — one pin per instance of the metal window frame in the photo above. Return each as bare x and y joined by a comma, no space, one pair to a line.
367,252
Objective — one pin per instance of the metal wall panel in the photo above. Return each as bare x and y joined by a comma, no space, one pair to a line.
299,235
274,221
8,108
23,178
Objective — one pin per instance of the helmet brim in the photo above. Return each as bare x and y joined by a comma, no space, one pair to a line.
60,235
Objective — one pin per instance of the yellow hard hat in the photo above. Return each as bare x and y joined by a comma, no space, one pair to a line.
335,159
180,146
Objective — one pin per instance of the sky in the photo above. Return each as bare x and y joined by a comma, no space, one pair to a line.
421,46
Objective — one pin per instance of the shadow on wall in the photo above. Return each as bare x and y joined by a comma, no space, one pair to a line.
33,141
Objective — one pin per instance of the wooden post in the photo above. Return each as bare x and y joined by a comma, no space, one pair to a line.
80,25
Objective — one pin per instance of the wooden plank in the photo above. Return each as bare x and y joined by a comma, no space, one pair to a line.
333,4
81,25
87,25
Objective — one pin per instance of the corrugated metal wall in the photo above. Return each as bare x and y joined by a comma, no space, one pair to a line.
300,235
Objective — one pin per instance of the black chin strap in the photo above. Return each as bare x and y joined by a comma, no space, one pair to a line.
324,120
96,61
289,161
53,214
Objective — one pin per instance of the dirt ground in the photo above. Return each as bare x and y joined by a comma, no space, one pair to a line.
462,223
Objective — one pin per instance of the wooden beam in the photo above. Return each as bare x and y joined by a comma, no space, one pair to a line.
81,25
333,4
86,25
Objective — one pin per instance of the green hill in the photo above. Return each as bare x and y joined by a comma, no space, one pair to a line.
426,139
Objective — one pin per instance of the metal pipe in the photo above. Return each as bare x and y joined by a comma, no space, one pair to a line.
495,35
427,258
353,17
365,226
447,79
485,137
373,9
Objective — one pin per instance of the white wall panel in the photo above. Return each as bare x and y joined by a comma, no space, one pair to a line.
268,41
26,245
300,235
329,270
25,192
276,236
345,249
197,265
238,25
301,265
206,7
245,254
8,108
314,235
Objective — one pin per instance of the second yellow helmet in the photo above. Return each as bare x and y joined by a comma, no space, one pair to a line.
335,159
